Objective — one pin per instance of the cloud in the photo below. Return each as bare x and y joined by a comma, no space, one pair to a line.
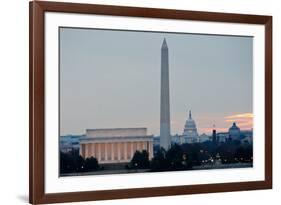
243,120
241,116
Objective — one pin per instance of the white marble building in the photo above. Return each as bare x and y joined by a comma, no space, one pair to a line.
115,145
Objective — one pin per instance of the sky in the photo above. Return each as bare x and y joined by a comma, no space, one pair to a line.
111,79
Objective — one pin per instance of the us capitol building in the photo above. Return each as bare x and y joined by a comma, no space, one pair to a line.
190,134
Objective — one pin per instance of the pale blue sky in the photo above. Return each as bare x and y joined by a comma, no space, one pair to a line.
111,79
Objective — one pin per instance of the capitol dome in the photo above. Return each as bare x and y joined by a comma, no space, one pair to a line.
190,131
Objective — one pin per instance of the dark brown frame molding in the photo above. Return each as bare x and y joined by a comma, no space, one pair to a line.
37,193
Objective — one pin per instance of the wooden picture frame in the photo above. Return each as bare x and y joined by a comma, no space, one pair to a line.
37,11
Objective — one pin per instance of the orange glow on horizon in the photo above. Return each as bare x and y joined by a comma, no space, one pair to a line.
210,129
243,120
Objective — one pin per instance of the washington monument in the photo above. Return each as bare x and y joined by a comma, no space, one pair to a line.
165,136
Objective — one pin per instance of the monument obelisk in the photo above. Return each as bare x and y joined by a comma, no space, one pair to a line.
165,136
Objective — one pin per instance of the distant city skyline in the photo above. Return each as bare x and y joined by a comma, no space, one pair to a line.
111,79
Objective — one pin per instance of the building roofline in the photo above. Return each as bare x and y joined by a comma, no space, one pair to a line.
116,138
130,128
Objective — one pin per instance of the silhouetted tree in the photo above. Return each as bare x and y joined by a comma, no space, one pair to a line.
91,164
171,160
140,160
159,162
174,158
72,162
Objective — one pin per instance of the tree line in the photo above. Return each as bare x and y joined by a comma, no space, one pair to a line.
178,157
72,162
186,156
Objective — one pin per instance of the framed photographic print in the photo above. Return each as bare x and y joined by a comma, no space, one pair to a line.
139,102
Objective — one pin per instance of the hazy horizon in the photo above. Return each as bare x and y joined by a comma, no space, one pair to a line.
111,79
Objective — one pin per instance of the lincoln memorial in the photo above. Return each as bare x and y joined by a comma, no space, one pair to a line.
115,145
